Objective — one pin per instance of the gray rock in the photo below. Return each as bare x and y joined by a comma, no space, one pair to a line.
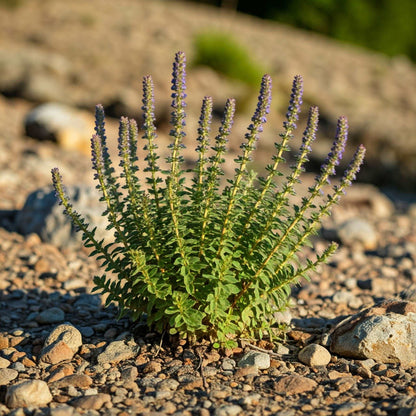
257,358
51,316
385,332
118,351
42,214
28,393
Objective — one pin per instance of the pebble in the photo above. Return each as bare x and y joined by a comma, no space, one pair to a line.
118,351
314,355
4,363
92,402
294,384
29,393
346,409
51,316
228,410
76,380
259,359
7,375
358,230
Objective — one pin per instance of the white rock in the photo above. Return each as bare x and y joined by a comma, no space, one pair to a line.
257,358
228,410
358,230
385,333
314,355
29,393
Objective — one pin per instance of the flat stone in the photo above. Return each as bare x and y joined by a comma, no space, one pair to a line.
4,363
385,332
295,384
76,380
260,359
117,351
56,353
92,402
7,375
228,410
346,409
358,230
62,410
51,316
29,393
314,355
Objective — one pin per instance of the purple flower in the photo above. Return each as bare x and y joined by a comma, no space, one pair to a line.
295,103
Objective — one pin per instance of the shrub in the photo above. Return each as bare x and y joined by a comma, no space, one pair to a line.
194,259
225,55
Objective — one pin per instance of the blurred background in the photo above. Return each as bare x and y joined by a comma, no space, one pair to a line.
380,25
58,59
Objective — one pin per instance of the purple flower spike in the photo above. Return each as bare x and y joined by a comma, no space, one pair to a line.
335,155
295,103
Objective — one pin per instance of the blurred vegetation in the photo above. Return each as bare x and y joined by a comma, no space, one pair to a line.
224,54
11,4
382,25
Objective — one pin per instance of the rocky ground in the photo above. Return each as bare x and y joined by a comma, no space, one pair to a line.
63,353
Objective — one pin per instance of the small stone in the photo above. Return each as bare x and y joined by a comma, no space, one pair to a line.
118,351
67,333
29,393
250,370
7,375
358,230
260,359
152,367
93,402
228,410
250,400
295,384
4,363
169,384
228,364
314,355
282,349
56,353
346,409
51,316
77,380
62,410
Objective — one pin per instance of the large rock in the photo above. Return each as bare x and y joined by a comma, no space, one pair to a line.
70,128
42,214
29,393
385,332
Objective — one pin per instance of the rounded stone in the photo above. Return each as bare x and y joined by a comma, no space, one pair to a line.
314,355
29,393
66,333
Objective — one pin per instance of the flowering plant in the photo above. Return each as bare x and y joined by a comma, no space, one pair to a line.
194,259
